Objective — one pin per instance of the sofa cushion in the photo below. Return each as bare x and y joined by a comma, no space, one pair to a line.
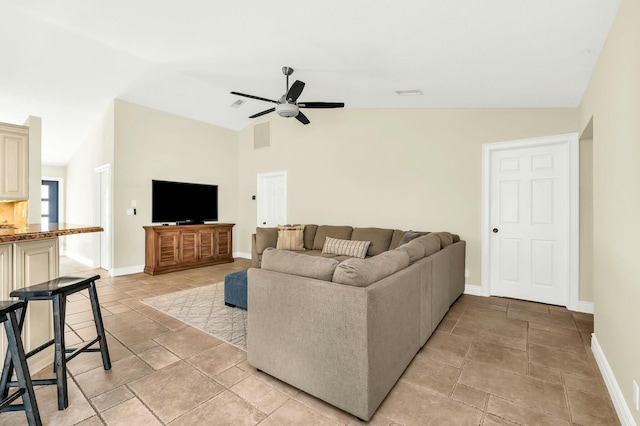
430,242
446,238
309,235
456,237
324,231
290,237
362,272
410,235
414,250
346,247
290,262
380,239
266,237
395,239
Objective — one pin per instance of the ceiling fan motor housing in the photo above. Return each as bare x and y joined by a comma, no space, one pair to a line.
287,110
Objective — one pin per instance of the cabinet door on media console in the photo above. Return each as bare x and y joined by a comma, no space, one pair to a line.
223,237
167,244
207,244
188,246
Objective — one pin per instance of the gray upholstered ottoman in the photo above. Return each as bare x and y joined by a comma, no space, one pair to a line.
235,289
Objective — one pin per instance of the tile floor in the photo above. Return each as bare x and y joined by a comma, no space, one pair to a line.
492,361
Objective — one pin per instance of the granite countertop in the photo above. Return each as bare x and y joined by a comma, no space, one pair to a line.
38,231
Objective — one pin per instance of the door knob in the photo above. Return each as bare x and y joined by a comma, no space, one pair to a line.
495,230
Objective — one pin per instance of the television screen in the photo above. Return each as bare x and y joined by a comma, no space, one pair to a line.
183,202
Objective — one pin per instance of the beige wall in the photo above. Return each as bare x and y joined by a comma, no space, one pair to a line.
151,144
53,171
96,151
35,159
612,99
410,169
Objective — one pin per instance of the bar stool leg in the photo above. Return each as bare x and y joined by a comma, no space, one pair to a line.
60,358
22,370
97,318
7,369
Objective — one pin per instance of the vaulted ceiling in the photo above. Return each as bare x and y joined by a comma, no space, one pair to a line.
66,60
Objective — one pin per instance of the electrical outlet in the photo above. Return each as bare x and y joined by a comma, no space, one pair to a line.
130,212
636,396
466,273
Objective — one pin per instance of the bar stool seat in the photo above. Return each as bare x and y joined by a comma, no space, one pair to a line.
57,291
8,316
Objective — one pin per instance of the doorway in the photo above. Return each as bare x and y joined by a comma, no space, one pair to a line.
530,220
50,202
272,199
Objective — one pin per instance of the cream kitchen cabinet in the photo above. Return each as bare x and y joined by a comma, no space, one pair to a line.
14,162
22,264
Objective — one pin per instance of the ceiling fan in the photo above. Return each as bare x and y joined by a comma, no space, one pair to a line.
288,105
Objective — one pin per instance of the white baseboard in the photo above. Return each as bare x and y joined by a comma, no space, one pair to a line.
81,259
474,290
621,406
586,307
242,254
128,270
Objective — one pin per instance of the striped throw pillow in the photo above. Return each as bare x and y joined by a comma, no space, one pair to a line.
290,237
346,247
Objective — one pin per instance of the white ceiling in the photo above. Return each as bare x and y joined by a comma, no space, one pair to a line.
66,60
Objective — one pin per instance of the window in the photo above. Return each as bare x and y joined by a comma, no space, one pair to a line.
49,206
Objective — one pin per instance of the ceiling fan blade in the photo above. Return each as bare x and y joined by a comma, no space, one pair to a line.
295,90
302,118
321,104
266,111
253,97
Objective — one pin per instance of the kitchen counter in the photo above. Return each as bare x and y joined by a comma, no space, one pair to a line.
38,231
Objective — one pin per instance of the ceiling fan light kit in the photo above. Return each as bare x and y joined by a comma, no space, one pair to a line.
287,110
287,106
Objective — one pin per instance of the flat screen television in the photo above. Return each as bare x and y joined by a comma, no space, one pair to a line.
183,203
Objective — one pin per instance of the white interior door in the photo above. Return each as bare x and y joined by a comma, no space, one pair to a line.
272,199
530,222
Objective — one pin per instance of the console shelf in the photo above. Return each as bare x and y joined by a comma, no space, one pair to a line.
179,247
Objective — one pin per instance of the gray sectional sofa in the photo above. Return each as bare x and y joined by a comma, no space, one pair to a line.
344,329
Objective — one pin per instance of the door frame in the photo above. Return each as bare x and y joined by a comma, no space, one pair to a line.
97,206
261,176
573,161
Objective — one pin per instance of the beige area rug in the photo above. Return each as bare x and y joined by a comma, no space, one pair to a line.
204,308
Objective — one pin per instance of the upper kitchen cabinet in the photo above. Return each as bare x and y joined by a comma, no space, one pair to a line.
14,162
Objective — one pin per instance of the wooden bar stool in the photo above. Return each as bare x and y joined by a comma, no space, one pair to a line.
14,347
57,291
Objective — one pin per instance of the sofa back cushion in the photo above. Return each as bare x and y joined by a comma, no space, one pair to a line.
380,239
414,250
266,237
396,237
324,231
411,235
289,262
363,272
309,236
446,238
430,242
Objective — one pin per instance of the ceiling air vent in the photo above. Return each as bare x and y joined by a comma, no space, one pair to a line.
410,92
262,135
